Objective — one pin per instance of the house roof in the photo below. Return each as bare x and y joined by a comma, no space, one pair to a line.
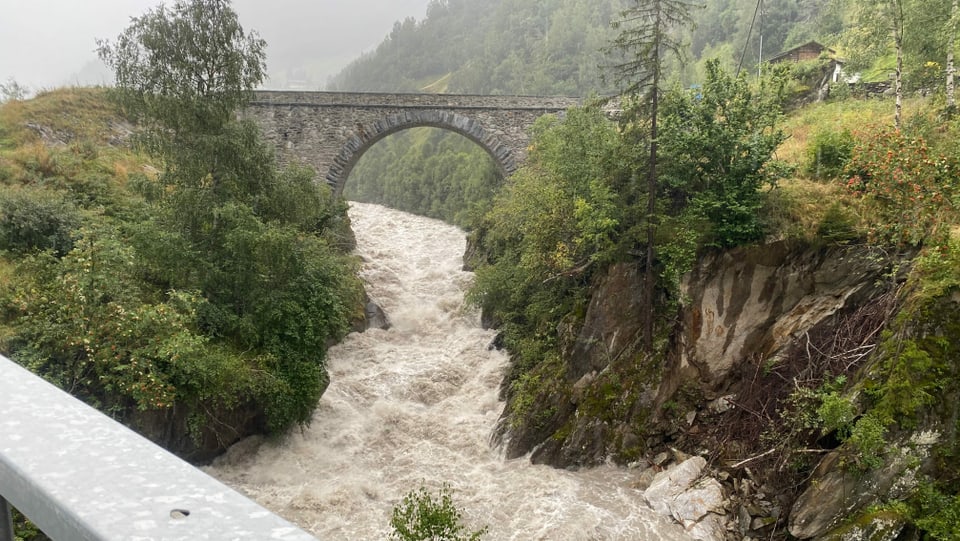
820,48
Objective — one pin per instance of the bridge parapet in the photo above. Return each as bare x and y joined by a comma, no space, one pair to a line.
413,101
79,475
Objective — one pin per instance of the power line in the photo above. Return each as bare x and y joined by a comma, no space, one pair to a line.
749,33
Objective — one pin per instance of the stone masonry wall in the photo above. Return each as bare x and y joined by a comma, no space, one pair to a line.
331,130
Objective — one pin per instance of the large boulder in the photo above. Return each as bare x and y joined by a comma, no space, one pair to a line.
683,493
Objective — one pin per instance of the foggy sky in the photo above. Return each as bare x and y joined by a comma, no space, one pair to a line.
50,43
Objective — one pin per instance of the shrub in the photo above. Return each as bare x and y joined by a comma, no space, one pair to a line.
906,187
716,154
421,517
937,513
829,153
36,220
838,225
868,442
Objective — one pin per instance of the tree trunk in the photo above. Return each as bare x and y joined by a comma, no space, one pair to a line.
898,85
951,100
649,276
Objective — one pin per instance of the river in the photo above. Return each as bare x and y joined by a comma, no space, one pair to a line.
415,406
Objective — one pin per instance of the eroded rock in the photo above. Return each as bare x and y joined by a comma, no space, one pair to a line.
376,318
837,491
612,321
697,502
672,482
750,301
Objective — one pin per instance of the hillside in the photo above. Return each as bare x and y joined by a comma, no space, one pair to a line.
500,47
558,48
814,361
102,293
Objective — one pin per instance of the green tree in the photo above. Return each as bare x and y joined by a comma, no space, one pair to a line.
877,25
183,73
716,146
262,248
105,332
36,220
931,35
647,36
550,228
423,517
426,171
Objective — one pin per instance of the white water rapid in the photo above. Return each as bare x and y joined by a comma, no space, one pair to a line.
415,405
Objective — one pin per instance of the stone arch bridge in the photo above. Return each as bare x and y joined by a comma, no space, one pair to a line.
332,130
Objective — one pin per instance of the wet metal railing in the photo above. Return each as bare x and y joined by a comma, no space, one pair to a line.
79,475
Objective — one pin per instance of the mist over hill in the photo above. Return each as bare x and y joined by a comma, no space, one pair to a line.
521,47
556,48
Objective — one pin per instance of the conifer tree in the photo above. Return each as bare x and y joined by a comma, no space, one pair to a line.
648,35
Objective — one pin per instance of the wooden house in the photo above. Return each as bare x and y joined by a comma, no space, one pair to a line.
808,51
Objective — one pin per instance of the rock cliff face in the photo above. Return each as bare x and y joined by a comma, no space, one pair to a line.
742,312
839,493
842,502
612,324
750,303
740,307
171,430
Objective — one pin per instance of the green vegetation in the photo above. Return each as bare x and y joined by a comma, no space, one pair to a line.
730,171
718,154
548,227
502,47
937,513
829,153
197,276
841,177
427,171
908,188
24,530
898,191
578,205
423,517
188,279
648,39
553,48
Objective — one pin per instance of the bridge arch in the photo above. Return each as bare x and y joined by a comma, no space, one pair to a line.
331,130
365,136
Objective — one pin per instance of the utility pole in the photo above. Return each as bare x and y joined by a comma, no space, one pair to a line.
746,43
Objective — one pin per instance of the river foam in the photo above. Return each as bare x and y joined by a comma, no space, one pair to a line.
415,406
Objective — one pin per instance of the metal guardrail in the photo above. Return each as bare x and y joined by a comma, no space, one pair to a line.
79,475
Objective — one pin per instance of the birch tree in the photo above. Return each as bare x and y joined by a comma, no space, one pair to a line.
877,25
951,48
